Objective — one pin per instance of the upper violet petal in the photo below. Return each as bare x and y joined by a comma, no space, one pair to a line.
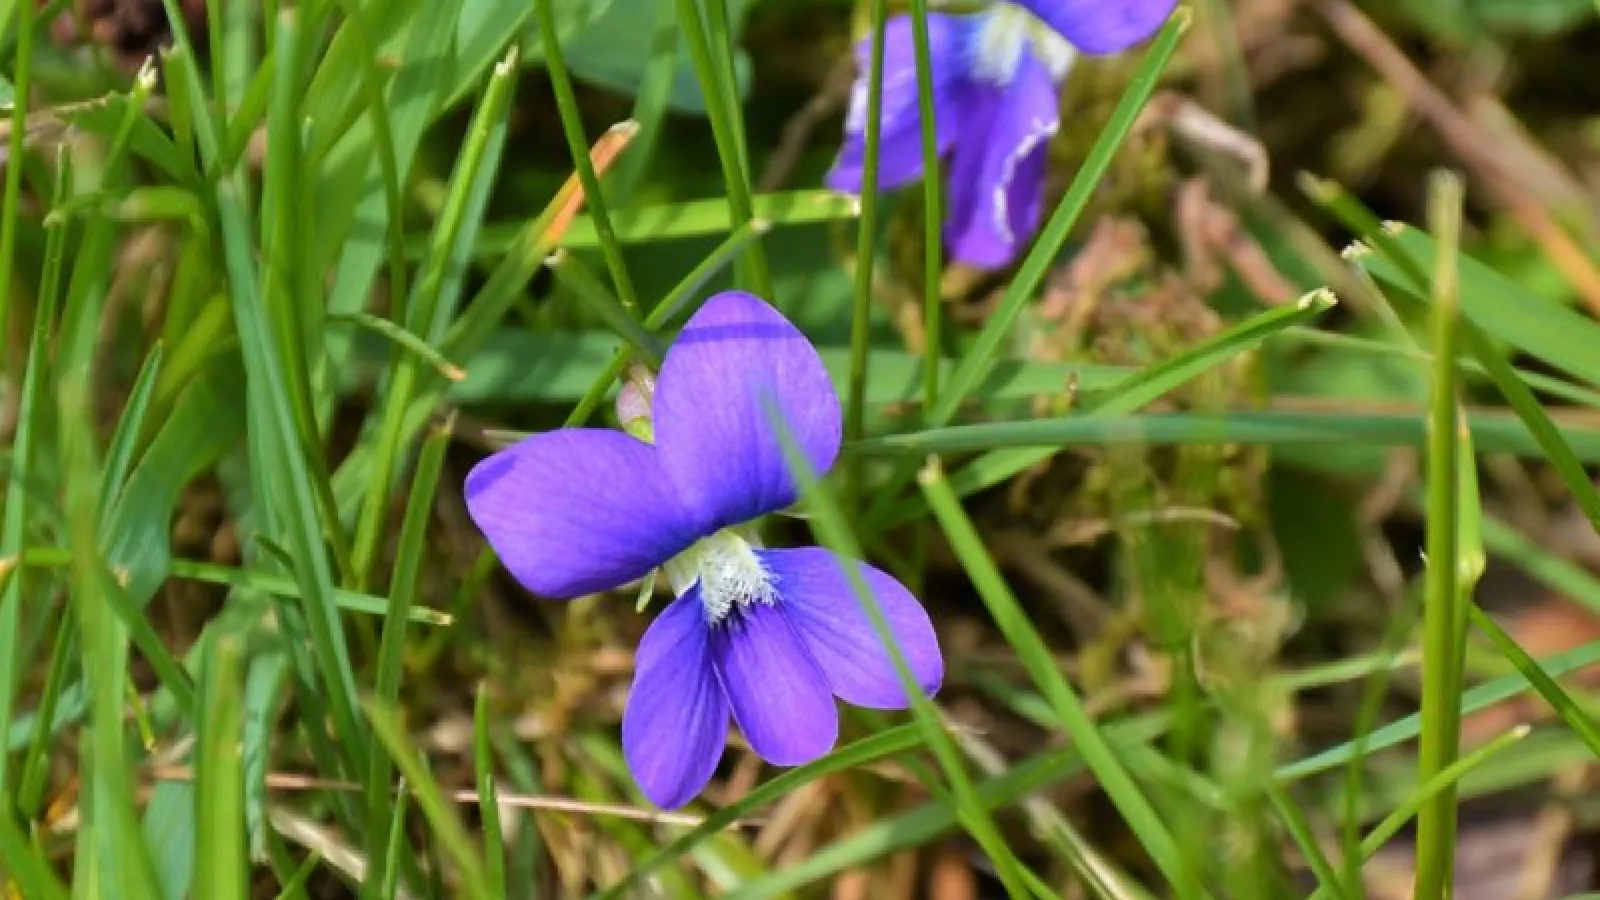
578,510
779,697
736,364
1102,26
824,608
675,725
900,133
997,179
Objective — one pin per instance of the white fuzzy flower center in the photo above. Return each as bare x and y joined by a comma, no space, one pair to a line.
1005,31
730,574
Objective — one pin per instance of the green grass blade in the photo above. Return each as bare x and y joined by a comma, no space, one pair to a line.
1305,838
1442,616
221,867
578,146
1035,656
1575,717
405,340
1400,815
855,406
425,315
729,139
488,797
829,523
883,745
402,597
435,806
1128,394
30,409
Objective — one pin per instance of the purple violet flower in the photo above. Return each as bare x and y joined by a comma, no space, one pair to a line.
995,80
766,636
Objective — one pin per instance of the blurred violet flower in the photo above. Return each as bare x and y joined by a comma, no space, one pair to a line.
995,84
766,636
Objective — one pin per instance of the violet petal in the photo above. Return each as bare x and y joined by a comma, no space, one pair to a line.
778,695
578,510
900,135
1102,26
675,725
737,363
997,179
823,607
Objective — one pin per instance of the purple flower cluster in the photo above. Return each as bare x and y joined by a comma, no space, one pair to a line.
995,79
766,637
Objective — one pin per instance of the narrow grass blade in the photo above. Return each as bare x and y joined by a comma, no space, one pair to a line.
488,799
855,406
574,276
729,138
829,524
447,827
273,414
1448,778
1306,839
1035,656
883,745
221,867
30,872
1121,398
1575,717
664,312
405,340
402,596
31,407
578,146
425,315
932,209
1442,615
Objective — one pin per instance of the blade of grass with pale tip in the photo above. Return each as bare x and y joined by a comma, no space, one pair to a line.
403,339
1443,637
426,314
403,586
1121,398
1448,778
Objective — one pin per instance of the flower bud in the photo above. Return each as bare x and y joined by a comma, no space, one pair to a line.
634,403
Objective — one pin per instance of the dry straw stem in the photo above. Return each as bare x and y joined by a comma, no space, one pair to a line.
296,782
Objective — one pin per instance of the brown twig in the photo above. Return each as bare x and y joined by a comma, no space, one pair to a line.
294,781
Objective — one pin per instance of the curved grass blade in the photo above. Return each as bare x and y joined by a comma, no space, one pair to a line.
882,745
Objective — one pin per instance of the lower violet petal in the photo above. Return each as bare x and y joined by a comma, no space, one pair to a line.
576,511
779,697
676,722
822,605
997,177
